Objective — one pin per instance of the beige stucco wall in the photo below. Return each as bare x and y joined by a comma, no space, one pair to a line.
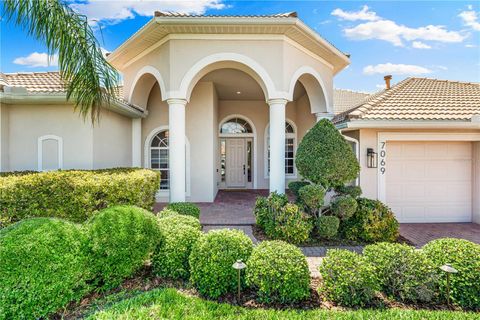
4,138
476,183
112,141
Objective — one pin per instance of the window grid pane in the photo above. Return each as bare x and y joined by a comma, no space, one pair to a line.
159,153
289,151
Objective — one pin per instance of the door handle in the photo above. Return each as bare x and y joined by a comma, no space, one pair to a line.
243,169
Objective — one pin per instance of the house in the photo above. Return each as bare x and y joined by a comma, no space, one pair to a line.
419,148
211,102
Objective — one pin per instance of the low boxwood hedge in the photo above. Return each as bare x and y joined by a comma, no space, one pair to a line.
185,208
464,256
120,240
279,272
42,267
177,219
327,226
74,195
212,258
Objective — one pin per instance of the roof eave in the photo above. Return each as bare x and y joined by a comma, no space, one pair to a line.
407,124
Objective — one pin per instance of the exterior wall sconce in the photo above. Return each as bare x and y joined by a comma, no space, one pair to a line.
372,159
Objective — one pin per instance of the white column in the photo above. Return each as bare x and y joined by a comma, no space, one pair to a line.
324,115
137,142
176,125
277,145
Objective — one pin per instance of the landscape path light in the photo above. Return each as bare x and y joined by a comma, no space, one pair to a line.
448,269
239,265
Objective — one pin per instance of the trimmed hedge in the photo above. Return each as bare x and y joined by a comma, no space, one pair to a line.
74,195
185,208
178,219
348,279
120,239
42,267
464,256
166,213
170,259
372,222
404,273
212,258
344,207
312,198
279,272
324,157
327,226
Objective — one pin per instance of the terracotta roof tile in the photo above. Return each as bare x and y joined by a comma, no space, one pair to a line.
419,99
345,99
34,82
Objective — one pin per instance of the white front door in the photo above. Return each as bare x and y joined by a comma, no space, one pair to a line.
235,163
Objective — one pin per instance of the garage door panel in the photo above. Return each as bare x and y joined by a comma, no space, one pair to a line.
429,181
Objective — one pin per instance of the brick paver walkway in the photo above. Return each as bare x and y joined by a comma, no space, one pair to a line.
422,233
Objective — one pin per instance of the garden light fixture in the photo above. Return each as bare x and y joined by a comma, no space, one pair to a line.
448,269
371,158
239,265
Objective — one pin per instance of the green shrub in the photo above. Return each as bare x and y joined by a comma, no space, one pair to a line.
464,256
177,219
185,208
279,272
74,195
372,222
353,191
266,209
344,207
324,156
295,186
170,259
212,258
291,225
327,226
166,213
347,278
312,198
42,267
403,272
120,239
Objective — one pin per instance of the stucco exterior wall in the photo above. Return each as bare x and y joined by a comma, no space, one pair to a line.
4,138
112,141
26,123
476,183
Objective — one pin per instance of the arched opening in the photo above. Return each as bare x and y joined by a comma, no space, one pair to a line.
314,87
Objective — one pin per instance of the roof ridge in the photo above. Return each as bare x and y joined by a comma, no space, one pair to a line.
353,91
161,13
445,80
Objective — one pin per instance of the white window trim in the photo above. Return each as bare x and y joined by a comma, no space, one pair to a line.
146,160
384,137
242,135
295,144
40,150
357,154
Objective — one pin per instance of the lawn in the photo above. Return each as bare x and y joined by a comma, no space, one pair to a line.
168,303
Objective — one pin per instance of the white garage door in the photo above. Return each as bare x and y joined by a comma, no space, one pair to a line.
429,181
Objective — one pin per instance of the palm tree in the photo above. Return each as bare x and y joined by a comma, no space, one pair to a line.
90,80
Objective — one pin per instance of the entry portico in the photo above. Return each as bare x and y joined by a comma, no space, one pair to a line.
225,99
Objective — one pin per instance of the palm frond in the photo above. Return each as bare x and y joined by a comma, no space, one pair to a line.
91,81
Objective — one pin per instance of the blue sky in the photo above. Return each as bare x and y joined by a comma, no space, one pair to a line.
437,39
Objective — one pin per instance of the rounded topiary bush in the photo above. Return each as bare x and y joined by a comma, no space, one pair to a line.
170,259
403,272
166,212
464,256
353,191
291,225
42,267
295,187
120,239
372,222
177,219
185,208
348,279
327,226
279,272
212,258
324,157
344,207
312,198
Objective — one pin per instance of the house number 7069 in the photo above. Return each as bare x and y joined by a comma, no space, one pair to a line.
383,154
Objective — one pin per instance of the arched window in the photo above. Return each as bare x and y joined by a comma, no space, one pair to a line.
236,126
159,157
290,149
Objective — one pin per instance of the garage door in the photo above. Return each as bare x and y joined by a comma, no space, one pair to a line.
429,181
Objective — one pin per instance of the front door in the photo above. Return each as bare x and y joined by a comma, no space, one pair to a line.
235,163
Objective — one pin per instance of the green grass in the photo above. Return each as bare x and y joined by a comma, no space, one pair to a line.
170,304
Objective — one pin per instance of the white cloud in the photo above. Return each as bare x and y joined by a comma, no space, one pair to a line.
470,46
420,45
36,59
114,11
363,14
398,69
379,28
380,86
470,19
